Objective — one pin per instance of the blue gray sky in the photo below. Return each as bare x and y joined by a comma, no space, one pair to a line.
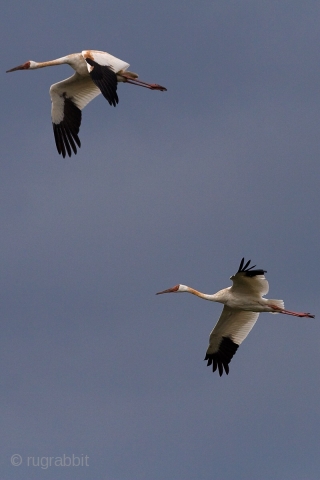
167,188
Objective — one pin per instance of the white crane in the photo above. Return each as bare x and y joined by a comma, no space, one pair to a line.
243,302
96,72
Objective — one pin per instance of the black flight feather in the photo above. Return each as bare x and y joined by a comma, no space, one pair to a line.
248,271
105,79
223,356
66,132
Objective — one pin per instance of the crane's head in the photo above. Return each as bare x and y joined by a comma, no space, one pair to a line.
175,289
25,66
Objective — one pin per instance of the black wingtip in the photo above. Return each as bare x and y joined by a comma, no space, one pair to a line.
220,360
241,265
66,132
248,271
105,78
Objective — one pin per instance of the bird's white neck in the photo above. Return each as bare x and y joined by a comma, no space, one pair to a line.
215,297
58,61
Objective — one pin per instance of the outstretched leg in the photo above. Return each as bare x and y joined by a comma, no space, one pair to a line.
135,81
289,312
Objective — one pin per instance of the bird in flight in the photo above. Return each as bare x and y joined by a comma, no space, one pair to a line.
95,72
243,302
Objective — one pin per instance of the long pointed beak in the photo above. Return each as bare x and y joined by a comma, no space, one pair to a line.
15,68
169,290
24,66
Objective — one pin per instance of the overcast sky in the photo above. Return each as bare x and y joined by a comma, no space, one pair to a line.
168,187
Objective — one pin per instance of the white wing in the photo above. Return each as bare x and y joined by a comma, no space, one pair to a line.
105,59
68,98
81,90
231,329
248,284
103,68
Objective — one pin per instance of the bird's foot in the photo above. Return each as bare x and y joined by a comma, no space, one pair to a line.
155,86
